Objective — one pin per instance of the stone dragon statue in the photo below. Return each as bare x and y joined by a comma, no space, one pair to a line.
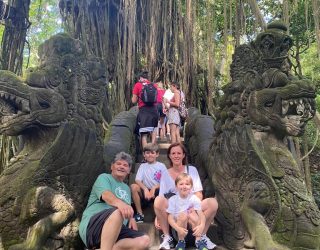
57,113
258,178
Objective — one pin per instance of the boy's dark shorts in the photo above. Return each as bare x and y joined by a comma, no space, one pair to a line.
95,226
147,119
144,202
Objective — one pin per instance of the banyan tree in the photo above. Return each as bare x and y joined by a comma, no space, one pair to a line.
131,35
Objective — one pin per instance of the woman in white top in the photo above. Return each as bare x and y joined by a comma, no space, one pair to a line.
173,113
177,157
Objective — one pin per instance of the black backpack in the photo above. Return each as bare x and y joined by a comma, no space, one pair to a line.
149,94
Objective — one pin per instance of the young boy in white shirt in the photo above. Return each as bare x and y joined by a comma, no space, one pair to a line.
185,208
147,181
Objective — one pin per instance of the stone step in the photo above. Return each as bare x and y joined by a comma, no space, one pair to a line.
154,234
149,229
163,147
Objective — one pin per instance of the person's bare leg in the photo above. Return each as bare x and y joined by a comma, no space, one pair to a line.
168,131
209,207
154,136
182,221
160,206
135,189
162,128
194,221
178,133
173,132
110,230
138,243
144,138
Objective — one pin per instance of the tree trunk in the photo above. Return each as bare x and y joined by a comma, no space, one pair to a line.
257,13
188,62
286,18
211,88
316,12
14,37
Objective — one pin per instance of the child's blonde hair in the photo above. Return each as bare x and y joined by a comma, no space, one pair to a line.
183,176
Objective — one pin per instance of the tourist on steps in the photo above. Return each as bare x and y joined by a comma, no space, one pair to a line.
173,116
147,182
147,119
160,107
107,222
168,95
184,209
178,164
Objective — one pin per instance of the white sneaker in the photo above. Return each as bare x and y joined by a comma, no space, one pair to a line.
209,243
166,242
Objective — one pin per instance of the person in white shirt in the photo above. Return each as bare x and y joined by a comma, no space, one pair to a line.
178,164
173,115
184,209
147,181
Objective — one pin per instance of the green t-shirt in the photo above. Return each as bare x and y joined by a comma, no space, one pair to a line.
104,182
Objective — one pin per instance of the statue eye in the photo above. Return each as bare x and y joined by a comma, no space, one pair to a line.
44,105
268,104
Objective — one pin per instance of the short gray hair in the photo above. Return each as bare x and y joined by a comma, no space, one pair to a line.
123,156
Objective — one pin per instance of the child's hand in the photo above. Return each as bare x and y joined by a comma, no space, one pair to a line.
152,191
182,232
147,194
157,224
198,230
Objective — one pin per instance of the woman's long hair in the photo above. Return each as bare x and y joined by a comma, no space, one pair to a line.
178,144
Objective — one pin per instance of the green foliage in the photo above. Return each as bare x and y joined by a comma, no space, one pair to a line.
312,137
45,21
311,68
1,30
311,130
318,103
271,9
315,177
302,23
